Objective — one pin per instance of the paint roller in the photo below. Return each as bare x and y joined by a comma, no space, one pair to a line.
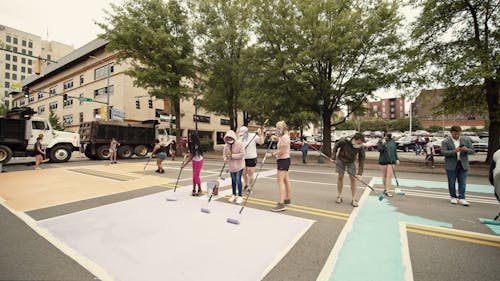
173,197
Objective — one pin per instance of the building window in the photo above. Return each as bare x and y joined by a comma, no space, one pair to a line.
81,79
40,95
49,57
30,62
68,84
30,52
53,105
14,76
22,77
14,40
14,58
29,70
225,122
68,119
31,98
30,44
7,66
102,91
14,49
23,69
7,75
14,67
41,109
97,111
7,56
7,84
103,71
8,39
53,91
81,117
201,118
23,51
23,60
23,43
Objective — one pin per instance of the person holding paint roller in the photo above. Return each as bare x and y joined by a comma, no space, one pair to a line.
234,156
196,157
388,156
282,155
344,157
250,141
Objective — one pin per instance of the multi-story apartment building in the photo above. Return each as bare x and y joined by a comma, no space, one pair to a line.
389,109
90,76
425,105
19,51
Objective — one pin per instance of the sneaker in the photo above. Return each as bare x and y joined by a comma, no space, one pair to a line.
239,200
287,201
161,171
157,171
193,193
463,202
231,200
279,208
453,200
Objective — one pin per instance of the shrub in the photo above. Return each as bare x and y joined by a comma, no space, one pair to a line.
207,144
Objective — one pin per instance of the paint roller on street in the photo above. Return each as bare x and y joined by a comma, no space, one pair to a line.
380,195
173,196
250,189
213,189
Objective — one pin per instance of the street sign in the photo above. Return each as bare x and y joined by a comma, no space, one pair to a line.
85,99
117,114
16,86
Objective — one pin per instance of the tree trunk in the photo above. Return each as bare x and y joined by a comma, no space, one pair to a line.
492,98
326,148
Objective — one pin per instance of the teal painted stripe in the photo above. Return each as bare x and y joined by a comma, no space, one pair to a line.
494,227
481,188
372,249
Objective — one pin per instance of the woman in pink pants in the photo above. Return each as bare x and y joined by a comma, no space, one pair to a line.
196,157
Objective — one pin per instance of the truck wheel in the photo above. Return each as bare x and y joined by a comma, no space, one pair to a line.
103,152
59,153
141,150
89,154
5,154
125,152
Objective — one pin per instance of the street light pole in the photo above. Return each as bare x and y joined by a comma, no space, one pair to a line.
320,158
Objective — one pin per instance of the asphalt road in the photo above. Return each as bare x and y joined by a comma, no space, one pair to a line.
28,254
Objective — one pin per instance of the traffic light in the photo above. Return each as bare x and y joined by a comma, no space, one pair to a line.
65,99
150,103
137,104
26,92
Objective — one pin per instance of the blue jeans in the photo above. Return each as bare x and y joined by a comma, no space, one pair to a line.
460,174
236,180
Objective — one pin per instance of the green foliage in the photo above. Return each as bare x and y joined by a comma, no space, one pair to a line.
433,129
207,144
3,110
155,36
54,121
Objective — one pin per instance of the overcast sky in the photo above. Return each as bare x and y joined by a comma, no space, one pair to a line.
67,21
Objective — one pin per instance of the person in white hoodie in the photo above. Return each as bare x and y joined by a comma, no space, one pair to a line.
250,141
234,156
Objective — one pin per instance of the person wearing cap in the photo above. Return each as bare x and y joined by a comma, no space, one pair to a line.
249,141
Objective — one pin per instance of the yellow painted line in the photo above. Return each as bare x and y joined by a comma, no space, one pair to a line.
453,232
304,208
103,174
454,237
300,209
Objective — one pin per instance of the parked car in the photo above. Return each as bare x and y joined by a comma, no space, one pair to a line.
481,146
371,145
312,145
406,143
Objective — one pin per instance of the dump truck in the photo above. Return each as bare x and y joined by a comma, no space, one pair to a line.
19,131
135,139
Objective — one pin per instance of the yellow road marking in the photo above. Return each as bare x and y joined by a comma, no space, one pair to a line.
455,235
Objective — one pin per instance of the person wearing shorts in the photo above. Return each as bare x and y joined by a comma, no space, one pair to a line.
388,157
282,155
249,141
344,157
113,147
161,154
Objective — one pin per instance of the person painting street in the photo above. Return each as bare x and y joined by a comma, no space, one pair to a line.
344,157
113,147
250,141
387,157
39,153
429,153
161,153
234,156
173,149
456,150
303,148
196,157
282,155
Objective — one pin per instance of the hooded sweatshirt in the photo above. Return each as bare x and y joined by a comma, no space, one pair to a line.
234,153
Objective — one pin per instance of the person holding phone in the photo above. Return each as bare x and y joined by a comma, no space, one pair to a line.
456,150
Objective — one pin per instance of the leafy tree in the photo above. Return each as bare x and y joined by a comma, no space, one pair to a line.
154,35
3,110
222,29
333,53
457,45
54,121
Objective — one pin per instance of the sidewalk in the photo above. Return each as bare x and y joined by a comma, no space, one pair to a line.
409,162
